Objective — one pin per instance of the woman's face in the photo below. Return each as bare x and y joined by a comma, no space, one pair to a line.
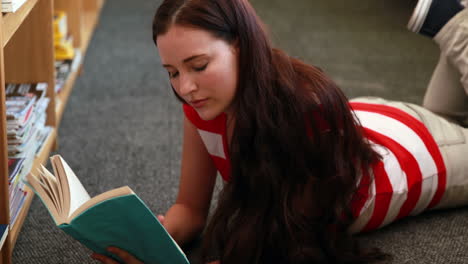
202,69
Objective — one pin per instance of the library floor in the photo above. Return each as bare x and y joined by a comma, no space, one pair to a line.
122,125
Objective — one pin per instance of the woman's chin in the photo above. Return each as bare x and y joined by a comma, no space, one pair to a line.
206,114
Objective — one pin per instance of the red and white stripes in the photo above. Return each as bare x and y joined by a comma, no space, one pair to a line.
411,176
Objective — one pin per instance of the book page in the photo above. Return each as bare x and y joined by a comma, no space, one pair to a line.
40,190
46,187
74,193
125,190
49,180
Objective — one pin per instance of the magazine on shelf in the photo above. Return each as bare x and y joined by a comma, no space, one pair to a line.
3,234
36,90
18,110
14,167
9,6
26,118
16,202
42,137
21,89
63,69
21,100
29,142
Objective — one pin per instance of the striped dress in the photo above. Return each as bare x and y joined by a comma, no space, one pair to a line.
409,179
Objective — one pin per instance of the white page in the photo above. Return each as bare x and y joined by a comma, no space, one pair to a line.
78,194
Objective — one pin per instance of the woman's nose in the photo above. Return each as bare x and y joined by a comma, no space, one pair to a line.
187,86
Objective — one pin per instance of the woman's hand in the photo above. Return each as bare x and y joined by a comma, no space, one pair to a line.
122,254
161,219
214,262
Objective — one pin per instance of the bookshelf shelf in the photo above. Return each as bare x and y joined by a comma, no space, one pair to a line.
12,21
27,56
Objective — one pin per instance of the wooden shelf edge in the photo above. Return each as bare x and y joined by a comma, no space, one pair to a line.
12,21
64,94
101,5
40,159
90,21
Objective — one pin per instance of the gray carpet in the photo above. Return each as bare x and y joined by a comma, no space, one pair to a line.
122,125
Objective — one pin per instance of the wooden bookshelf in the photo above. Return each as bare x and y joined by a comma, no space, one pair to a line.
27,56
82,17
12,21
4,203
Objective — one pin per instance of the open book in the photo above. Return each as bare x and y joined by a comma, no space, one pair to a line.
114,218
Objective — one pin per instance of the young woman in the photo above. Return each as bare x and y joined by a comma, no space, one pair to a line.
303,167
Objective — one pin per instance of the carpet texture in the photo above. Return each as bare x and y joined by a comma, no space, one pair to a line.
123,126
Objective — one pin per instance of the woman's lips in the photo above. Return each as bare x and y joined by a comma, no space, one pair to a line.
198,103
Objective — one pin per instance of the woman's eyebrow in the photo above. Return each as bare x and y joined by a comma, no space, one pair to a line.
193,57
187,59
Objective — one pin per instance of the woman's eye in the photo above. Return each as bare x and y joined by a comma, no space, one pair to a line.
173,75
201,68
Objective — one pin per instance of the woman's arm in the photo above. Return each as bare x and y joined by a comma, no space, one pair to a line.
187,217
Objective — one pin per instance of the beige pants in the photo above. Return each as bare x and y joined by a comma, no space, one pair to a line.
447,93
452,140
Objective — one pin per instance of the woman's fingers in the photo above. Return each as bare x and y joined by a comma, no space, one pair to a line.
214,262
161,219
124,255
103,259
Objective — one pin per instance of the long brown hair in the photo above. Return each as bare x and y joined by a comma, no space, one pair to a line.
296,150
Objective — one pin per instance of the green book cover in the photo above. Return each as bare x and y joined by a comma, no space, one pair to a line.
127,223
115,218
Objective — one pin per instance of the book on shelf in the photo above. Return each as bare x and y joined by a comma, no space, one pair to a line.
16,204
21,100
63,69
114,218
16,191
18,168
19,109
21,89
3,234
14,167
42,137
26,114
60,25
63,42
9,6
